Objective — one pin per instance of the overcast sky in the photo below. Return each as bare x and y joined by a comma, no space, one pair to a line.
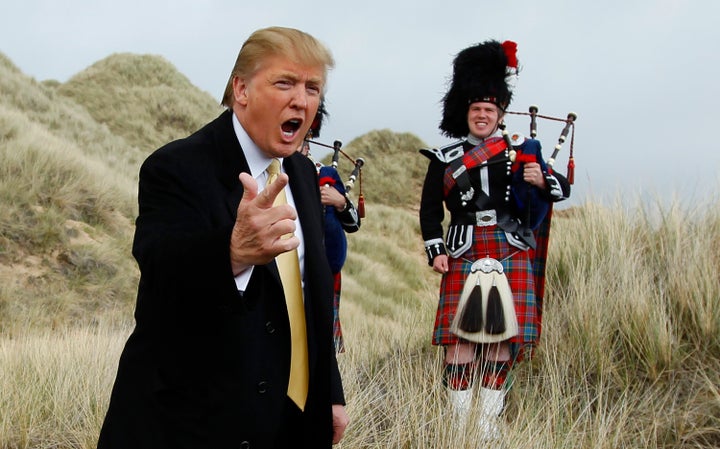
642,76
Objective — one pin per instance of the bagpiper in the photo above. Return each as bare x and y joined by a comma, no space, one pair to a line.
499,193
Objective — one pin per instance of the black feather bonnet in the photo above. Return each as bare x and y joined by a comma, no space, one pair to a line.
480,73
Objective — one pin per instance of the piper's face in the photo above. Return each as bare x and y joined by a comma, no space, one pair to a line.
483,119
277,104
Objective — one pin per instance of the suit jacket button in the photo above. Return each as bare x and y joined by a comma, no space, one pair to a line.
269,327
263,387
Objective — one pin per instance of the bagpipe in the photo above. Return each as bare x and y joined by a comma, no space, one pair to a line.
569,128
355,174
531,152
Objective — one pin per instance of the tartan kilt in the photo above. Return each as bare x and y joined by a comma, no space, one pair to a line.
490,241
337,330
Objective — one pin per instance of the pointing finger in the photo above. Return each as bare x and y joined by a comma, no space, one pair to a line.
267,197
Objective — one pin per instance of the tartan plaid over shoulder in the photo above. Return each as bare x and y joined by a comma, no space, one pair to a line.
476,156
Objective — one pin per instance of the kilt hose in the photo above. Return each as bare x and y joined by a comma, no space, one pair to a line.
490,241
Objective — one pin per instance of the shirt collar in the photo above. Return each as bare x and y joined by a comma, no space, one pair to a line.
476,140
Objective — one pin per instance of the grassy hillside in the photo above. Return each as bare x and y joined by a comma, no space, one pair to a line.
141,98
69,157
630,354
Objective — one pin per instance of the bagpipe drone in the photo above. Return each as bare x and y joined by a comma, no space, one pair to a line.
569,128
355,174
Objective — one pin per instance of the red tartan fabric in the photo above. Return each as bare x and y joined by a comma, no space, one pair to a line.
337,330
538,256
490,241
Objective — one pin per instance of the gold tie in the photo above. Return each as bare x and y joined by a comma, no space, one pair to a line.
289,268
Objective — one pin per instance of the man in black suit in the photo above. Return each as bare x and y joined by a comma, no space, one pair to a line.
208,364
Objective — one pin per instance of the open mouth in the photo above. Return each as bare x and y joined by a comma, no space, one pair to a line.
290,127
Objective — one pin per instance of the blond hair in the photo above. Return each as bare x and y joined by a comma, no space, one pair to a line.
293,44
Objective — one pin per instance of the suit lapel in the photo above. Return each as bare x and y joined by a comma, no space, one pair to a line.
231,160
304,188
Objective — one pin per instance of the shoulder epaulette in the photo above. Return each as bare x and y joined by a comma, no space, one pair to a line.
447,153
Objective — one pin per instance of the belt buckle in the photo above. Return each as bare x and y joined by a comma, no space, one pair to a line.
486,217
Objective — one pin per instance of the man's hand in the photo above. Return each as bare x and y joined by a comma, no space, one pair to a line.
534,175
440,263
257,236
329,196
340,422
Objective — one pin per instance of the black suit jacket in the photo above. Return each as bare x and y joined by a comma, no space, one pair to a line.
206,366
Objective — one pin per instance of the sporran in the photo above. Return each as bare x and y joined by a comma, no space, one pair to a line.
485,313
